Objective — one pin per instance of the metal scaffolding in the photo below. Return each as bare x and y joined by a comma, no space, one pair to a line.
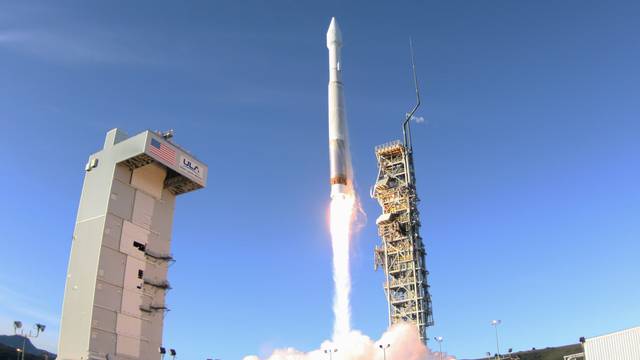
402,254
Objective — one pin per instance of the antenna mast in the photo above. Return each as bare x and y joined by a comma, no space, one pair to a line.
406,125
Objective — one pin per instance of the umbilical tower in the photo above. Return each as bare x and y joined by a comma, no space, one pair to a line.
402,253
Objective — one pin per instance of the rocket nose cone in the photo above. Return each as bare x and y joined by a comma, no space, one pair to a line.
334,36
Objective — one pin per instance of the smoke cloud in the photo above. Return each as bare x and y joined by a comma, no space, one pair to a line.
402,338
418,119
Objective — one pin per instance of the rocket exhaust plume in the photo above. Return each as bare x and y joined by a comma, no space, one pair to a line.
405,343
341,214
341,179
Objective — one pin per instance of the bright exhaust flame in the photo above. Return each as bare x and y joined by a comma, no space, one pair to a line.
341,218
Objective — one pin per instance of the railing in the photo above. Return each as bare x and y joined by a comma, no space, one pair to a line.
388,145
159,284
154,255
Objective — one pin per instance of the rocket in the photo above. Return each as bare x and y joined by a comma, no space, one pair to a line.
339,155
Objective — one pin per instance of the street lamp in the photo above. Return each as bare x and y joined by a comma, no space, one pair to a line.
384,350
173,353
330,352
18,325
495,324
439,340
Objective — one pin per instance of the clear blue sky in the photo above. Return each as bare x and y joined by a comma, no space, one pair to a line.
527,163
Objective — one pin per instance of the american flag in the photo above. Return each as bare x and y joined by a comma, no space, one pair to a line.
163,151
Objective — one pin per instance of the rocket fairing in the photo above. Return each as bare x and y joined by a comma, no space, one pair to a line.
339,154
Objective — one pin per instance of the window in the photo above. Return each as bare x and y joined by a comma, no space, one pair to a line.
139,246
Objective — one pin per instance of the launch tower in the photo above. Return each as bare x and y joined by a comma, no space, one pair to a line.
402,254
114,300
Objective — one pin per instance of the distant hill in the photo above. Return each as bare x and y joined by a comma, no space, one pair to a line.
550,353
9,343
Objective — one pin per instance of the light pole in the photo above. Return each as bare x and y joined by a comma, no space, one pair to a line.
439,340
18,325
330,352
384,350
495,324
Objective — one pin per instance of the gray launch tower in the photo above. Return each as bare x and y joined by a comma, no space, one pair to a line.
402,254
114,301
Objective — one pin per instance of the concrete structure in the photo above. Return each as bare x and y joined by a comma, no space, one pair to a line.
341,178
114,300
402,254
621,345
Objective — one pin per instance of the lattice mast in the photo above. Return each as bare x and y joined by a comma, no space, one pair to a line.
402,253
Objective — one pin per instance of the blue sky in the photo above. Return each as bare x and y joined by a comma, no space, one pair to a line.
527,162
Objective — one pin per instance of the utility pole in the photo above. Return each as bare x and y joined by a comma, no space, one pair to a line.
439,340
384,350
18,325
495,324
330,352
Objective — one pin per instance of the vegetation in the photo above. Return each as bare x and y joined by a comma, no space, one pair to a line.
555,353
10,353
9,344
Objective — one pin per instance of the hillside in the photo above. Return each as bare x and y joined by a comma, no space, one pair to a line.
9,343
551,353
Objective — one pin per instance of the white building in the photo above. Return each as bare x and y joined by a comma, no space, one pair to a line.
621,345
117,277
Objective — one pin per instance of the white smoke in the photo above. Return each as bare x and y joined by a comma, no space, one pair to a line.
341,220
418,119
402,338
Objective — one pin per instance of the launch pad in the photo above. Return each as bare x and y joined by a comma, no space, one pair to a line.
402,254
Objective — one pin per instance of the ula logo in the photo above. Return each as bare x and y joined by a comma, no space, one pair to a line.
190,166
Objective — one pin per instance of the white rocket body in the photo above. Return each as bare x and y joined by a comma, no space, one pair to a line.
339,153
